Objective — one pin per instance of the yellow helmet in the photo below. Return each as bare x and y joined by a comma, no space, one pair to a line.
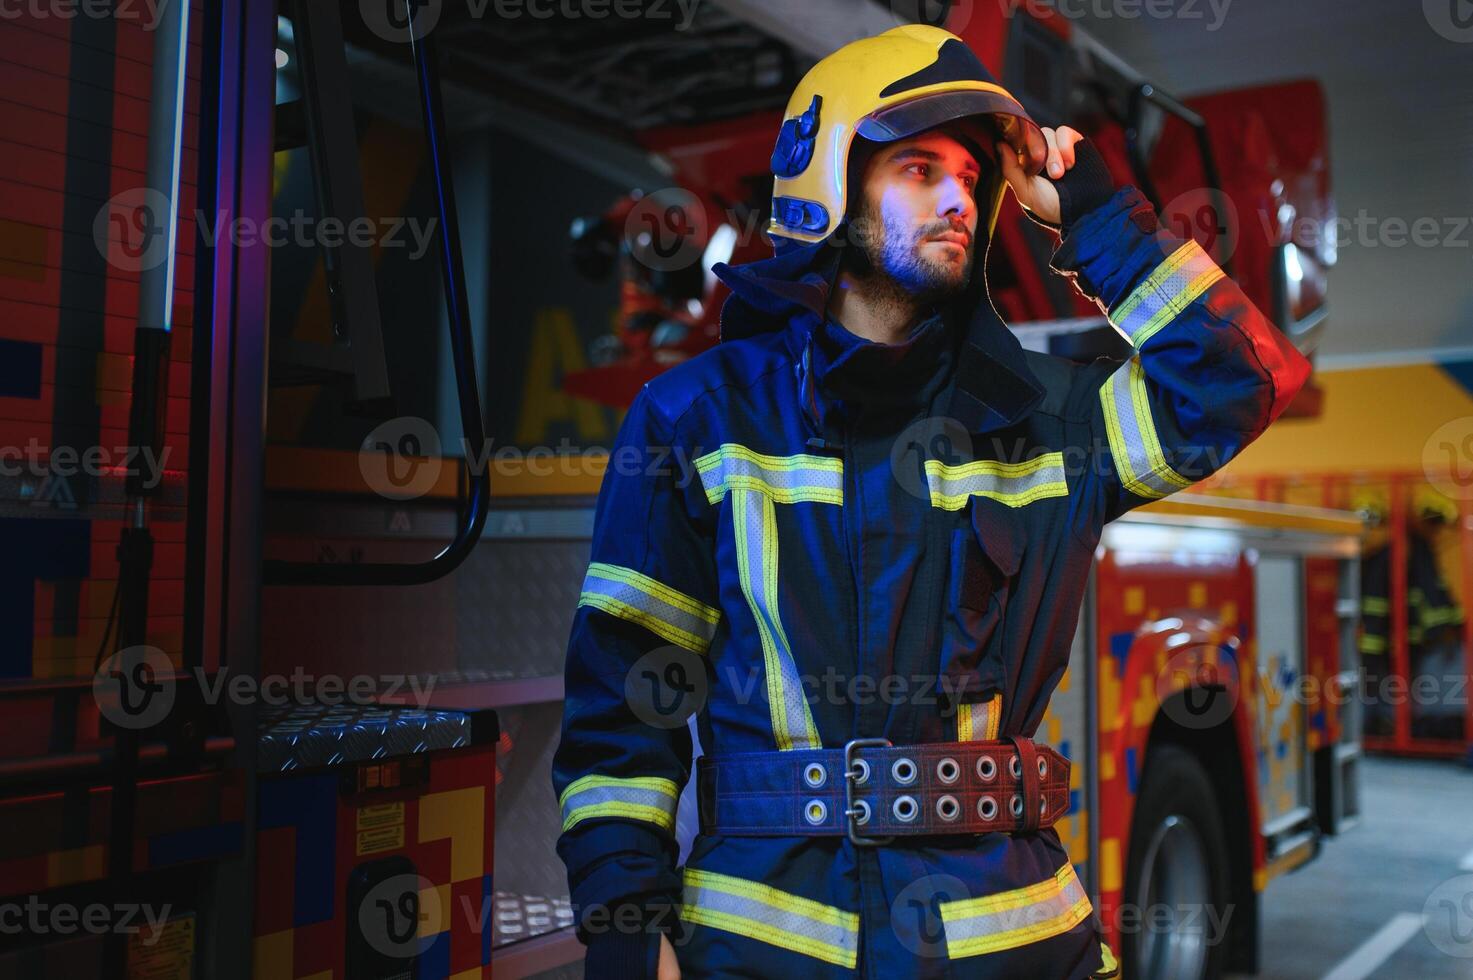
883,88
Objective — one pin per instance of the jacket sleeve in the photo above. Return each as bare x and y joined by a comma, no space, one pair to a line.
1209,373
648,602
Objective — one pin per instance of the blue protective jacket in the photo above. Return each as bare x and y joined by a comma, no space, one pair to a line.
804,537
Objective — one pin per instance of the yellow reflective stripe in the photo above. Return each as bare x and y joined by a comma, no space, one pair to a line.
1170,288
769,915
1109,965
973,725
652,799
754,526
1375,605
786,479
1014,484
1134,444
1371,644
1441,616
975,926
666,612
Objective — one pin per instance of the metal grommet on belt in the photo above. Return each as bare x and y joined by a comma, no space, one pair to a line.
903,771
815,775
1042,767
1016,805
861,815
947,770
947,808
987,768
861,772
986,807
905,808
1014,769
815,812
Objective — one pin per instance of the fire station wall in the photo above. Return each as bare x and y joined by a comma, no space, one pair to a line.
1374,418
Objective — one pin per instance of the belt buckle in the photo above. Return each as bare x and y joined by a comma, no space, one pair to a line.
850,774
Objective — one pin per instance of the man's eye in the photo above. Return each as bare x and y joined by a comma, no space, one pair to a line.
919,169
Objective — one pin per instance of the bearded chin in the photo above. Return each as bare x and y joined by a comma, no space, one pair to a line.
898,258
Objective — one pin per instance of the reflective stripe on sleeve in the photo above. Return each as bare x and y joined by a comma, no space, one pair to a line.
1015,918
652,799
666,612
768,915
1185,274
786,479
1014,484
1134,443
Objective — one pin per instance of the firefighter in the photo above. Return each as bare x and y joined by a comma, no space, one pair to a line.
852,541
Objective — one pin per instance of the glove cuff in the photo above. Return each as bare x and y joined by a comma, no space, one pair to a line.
623,956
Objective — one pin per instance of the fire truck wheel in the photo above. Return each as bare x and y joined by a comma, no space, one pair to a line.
1176,888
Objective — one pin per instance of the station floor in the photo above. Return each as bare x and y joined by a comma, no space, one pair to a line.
1390,898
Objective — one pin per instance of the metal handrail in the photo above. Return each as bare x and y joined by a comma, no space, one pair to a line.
1139,96
468,530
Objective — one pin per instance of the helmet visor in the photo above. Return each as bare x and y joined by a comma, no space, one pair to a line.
1004,117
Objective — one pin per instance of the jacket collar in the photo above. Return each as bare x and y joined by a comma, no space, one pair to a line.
994,387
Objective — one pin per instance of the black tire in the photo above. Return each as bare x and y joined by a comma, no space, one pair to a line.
1177,839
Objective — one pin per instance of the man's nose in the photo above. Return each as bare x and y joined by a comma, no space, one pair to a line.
956,200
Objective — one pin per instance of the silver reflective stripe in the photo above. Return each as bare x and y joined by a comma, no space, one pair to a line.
779,918
1015,918
1134,443
754,525
666,612
1014,484
652,799
1170,288
786,479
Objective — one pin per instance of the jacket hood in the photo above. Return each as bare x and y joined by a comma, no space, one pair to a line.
994,385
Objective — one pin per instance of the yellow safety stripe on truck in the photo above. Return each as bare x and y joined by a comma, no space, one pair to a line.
785,479
768,915
668,613
992,923
1170,288
652,799
1014,484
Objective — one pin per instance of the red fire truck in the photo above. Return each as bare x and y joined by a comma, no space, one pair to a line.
294,483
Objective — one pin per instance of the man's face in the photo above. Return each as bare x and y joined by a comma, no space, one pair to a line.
918,219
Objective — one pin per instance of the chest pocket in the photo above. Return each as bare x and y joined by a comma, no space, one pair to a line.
986,554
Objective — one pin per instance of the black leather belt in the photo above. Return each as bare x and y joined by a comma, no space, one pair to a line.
871,790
